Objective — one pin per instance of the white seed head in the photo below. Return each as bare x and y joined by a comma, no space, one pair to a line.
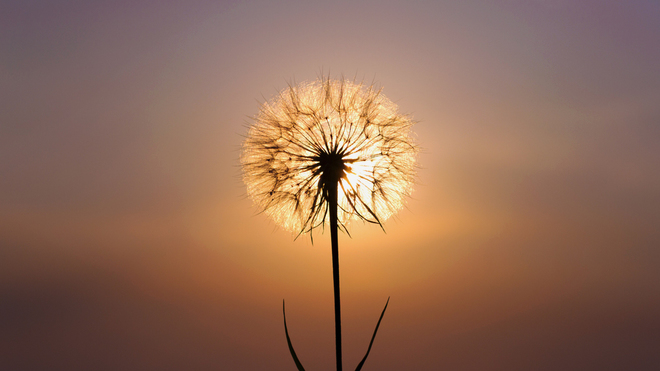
329,129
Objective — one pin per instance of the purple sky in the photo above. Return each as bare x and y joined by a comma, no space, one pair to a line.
532,241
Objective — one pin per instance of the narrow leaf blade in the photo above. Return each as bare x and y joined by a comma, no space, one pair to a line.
359,367
288,341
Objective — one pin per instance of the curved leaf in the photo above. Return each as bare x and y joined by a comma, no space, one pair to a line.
359,367
288,341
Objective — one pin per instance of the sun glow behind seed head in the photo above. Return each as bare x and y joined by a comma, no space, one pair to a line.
329,126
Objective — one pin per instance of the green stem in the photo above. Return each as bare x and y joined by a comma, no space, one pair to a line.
332,203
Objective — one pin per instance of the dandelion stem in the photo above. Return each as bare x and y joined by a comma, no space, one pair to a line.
332,204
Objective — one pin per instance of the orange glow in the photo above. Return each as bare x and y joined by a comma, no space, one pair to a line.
282,155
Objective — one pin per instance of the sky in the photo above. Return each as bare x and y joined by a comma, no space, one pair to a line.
531,241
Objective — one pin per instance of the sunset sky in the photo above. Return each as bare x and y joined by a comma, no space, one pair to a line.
531,242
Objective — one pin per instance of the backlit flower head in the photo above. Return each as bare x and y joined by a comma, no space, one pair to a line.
316,133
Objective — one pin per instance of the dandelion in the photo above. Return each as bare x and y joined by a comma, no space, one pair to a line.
326,153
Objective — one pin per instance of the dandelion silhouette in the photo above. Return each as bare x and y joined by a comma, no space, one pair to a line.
326,153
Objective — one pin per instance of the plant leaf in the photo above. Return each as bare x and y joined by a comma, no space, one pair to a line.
359,367
288,341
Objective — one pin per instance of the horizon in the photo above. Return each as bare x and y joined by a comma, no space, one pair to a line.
531,240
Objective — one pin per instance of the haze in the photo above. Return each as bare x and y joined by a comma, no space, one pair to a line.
531,241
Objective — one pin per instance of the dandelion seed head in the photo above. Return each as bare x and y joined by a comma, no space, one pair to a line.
325,131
